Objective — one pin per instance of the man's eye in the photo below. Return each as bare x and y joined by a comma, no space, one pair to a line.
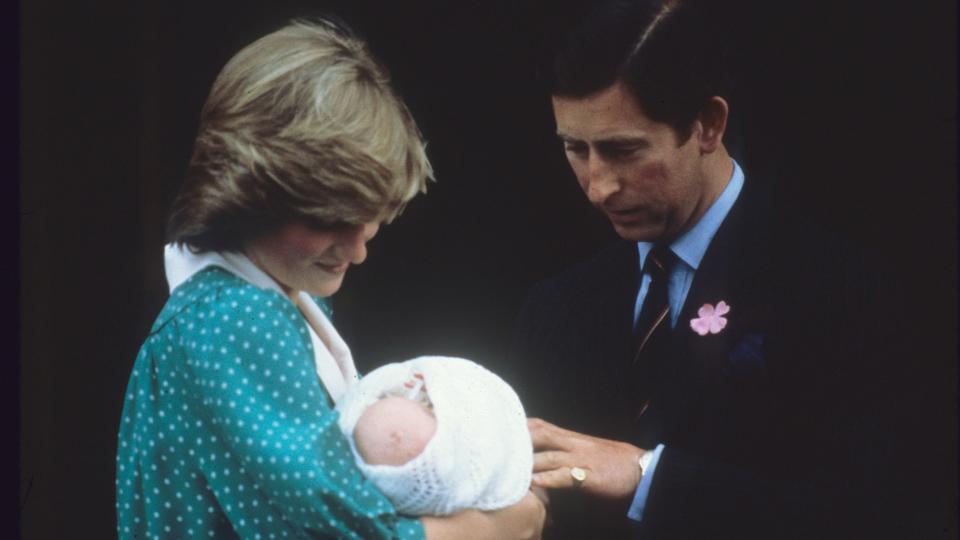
622,151
574,148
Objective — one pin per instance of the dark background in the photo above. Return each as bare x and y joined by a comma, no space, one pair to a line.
849,108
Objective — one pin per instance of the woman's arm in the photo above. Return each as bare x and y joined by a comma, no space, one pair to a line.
266,440
522,521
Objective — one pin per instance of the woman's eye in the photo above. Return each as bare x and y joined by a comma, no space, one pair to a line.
330,226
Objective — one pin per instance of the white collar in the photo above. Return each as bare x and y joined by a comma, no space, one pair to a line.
181,263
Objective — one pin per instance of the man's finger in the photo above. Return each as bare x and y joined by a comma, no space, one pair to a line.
554,479
551,459
546,435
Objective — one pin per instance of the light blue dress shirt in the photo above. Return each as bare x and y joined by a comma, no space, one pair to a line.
689,249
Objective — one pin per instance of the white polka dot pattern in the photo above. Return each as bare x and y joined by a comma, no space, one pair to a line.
227,432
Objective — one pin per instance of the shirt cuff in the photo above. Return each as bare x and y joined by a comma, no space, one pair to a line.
640,497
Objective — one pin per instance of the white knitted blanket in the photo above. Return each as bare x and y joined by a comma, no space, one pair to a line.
480,456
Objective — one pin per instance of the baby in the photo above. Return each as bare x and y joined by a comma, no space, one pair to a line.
438,435
395,429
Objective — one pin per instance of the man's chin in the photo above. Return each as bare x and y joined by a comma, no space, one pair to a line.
637,232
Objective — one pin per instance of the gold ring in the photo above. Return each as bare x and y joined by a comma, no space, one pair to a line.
579,476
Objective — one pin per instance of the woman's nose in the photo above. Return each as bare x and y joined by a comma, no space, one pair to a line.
354,241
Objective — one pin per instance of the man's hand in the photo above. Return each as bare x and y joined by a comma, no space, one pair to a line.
611,466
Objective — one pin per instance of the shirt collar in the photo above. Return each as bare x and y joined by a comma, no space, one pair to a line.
692,245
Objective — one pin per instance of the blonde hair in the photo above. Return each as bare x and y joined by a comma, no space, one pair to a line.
302,124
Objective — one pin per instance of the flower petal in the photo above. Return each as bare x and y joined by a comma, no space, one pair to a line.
722,308
717,324
699,326
712,325
705,310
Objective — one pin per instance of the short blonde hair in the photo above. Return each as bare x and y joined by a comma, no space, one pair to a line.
302,124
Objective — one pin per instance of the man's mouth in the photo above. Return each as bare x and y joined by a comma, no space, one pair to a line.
624,216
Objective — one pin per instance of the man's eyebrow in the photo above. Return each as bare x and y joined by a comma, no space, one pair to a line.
613,140
623,139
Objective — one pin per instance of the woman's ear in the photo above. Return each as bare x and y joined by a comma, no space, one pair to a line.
713,122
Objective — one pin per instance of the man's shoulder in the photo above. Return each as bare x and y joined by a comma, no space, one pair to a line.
594,287
611,265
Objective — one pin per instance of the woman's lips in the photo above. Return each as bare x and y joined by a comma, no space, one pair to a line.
337,268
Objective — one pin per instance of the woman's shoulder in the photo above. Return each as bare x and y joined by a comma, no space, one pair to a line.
215,291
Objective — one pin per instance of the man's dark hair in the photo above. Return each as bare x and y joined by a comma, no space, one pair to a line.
669,53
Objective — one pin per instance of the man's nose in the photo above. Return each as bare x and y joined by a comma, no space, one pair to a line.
602,181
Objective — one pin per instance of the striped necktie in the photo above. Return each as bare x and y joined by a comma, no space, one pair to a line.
653,324
651,338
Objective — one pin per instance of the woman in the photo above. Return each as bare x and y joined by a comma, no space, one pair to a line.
228,427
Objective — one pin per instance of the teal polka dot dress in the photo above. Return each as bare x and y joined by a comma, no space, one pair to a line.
227,431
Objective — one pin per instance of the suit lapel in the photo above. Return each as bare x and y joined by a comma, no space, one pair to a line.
734,262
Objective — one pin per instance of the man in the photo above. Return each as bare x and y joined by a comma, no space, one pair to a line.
706,371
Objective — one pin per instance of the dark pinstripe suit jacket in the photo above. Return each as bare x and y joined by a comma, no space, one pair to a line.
769,426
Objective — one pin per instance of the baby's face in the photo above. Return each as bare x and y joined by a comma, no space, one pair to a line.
393,431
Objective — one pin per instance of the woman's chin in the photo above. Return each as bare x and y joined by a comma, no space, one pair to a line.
326,287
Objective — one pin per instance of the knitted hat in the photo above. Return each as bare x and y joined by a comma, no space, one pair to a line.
480,456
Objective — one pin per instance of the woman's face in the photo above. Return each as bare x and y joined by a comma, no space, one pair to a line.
303,258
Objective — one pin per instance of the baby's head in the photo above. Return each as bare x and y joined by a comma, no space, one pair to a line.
393,430
461,443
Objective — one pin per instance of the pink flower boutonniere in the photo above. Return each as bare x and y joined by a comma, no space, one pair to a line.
711,319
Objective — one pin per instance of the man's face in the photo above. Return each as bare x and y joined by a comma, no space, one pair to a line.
631,167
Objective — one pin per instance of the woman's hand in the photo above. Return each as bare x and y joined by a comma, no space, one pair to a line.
612,468
521,521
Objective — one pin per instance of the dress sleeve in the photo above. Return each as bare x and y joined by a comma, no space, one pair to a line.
274,449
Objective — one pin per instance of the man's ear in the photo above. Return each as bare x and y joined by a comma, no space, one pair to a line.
713,122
